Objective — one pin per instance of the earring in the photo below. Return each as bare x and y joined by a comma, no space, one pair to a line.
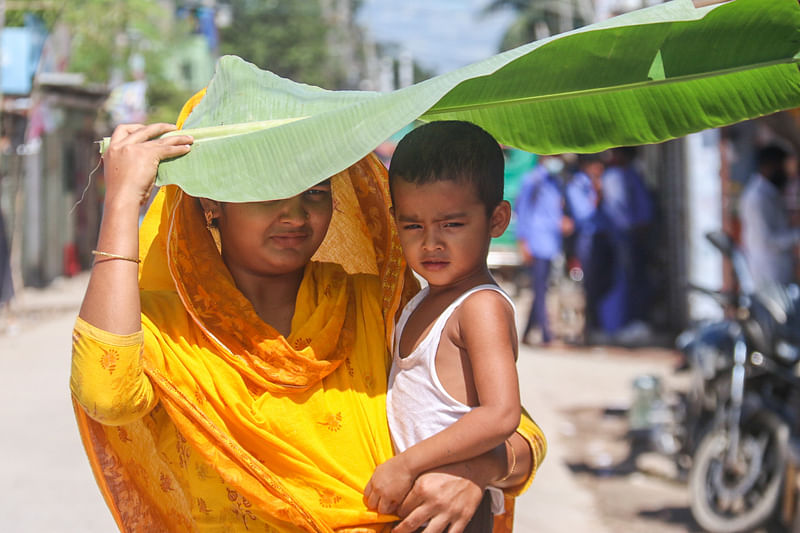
211,221
211,226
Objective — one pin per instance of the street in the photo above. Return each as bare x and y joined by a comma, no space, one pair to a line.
47,484
579,487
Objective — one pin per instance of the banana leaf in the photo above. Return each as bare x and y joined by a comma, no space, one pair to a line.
643,77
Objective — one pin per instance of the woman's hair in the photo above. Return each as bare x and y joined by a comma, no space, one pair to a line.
451,151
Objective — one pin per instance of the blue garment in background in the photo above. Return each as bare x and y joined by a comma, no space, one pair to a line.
626,200
539,209
539,272
582,203
627,207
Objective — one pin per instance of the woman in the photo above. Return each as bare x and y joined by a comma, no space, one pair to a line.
230,383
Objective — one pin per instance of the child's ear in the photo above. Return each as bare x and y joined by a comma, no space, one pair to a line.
501,217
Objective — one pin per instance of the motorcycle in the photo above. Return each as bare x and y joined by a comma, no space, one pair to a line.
739,420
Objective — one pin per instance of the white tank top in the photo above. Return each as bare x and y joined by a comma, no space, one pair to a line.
417,405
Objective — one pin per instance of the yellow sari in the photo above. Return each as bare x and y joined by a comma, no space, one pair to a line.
209,419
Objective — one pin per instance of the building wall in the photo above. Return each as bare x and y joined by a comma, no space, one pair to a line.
57,234
704,201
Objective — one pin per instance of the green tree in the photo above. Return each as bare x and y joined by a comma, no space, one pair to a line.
106,34
284,36
536,19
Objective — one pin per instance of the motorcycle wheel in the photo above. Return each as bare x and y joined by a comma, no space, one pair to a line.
739,497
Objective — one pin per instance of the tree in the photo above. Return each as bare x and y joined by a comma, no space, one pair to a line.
287,37
107,34
537,19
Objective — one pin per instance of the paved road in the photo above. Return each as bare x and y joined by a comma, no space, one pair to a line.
46,484
555,382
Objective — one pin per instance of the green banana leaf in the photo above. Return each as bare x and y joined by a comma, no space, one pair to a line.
643,77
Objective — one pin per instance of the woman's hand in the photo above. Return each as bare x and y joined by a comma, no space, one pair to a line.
440,499
389,485
132,158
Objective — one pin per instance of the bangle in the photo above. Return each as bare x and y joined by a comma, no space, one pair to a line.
513,462
117,256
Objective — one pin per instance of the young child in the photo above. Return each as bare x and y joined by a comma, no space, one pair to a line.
453,389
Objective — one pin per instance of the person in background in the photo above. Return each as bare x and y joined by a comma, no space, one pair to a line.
453,388
768,239
583,193
541,223
6,284
793,203
627,207
6,281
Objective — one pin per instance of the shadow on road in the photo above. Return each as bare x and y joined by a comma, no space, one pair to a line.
607,459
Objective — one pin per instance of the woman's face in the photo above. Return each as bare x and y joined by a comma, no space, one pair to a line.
275,237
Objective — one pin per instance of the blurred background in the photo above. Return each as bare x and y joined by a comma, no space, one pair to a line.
596,371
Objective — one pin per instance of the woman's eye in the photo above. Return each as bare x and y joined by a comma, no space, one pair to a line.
411,226
317,193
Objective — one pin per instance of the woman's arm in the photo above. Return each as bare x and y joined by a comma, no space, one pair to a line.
130,163
107,376
107,339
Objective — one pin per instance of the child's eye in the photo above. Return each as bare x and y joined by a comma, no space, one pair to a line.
453,224
411,226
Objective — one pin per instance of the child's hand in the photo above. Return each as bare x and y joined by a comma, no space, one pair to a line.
389,485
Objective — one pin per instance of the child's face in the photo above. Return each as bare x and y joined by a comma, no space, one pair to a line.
444,229
275,237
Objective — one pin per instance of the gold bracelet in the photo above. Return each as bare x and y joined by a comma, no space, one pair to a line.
116,256
513,462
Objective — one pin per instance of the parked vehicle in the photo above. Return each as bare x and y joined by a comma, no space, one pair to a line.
739,421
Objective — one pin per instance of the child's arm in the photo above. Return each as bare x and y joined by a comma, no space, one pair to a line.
487,333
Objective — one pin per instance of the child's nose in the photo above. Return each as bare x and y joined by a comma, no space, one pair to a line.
431,240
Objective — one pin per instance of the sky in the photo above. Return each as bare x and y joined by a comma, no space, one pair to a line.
441,35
